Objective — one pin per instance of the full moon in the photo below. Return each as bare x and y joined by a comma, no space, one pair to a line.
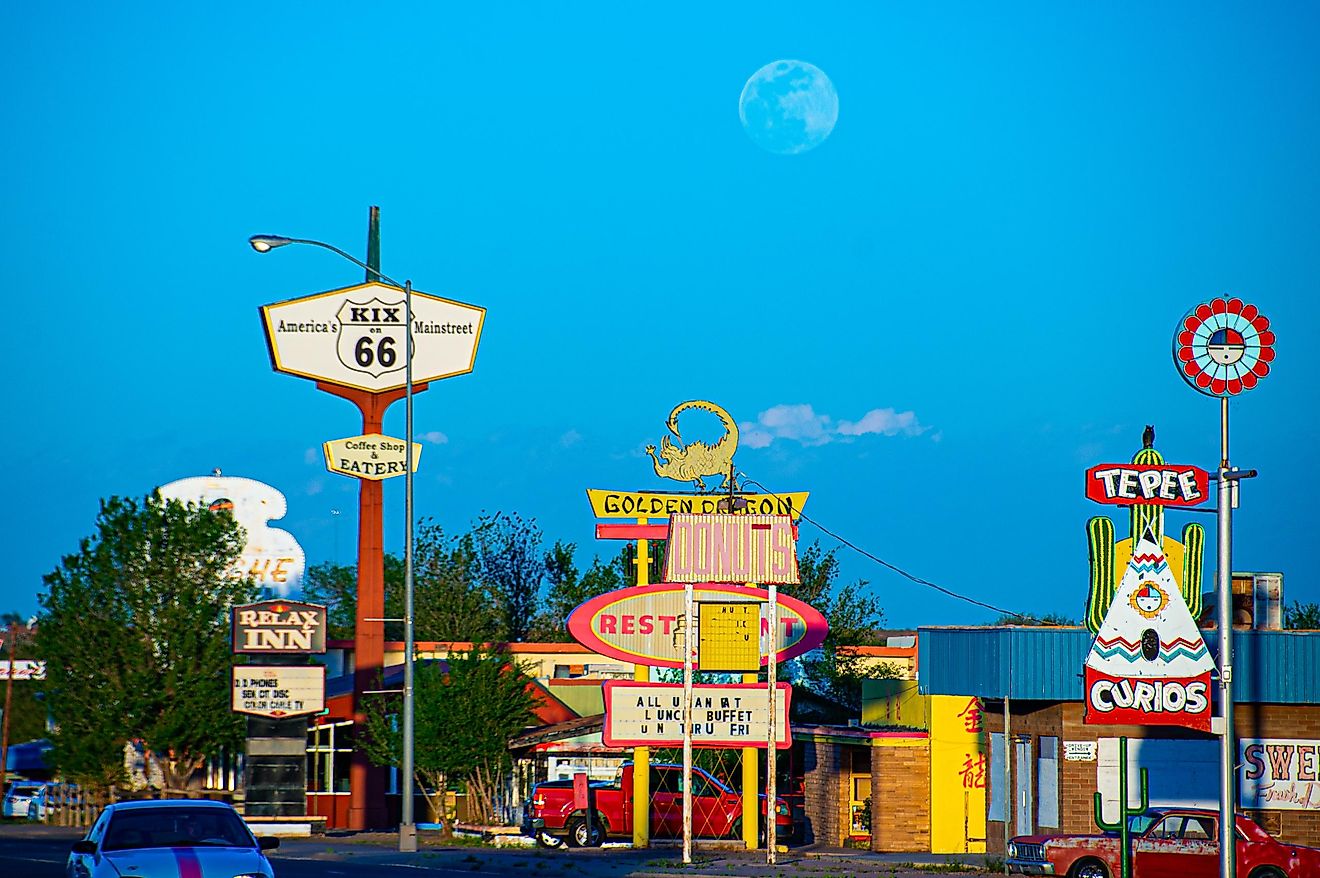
788,107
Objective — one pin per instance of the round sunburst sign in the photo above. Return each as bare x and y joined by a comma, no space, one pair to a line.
1223,347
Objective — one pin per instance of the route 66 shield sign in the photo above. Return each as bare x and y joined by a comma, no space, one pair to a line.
371,336
355,337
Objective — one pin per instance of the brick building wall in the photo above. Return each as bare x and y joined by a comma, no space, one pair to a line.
1077,780
900,798
826,767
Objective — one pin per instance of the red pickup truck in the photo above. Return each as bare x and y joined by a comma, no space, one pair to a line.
552,818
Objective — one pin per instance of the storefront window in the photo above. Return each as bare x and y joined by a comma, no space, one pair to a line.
329,757
861,804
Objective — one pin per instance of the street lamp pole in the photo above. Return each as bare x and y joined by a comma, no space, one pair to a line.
407,824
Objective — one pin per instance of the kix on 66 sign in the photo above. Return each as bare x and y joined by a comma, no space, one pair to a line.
358,337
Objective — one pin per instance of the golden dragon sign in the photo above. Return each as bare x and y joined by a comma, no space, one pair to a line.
691,461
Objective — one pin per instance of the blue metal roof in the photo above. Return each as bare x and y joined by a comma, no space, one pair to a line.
1045,663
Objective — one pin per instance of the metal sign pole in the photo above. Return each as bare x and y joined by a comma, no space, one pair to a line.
689,619
1224,589
772,738
407,825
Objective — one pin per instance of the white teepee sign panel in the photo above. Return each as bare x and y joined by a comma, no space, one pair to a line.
1148,665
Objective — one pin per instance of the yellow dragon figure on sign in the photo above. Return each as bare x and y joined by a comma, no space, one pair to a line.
691,461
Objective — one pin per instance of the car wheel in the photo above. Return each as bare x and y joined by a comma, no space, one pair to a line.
1089,869
578,836
1268,872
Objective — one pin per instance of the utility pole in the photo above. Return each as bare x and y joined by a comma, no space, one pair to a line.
9,693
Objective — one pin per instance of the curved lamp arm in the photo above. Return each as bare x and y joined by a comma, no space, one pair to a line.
267,243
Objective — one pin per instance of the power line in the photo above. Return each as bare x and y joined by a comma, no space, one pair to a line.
883,563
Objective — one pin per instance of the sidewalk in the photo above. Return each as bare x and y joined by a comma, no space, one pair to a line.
659,862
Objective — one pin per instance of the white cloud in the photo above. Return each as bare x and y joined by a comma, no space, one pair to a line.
435,437
801,423
314,455
886,421
569,439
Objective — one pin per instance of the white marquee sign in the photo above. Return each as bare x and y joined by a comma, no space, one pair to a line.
723,715
268,690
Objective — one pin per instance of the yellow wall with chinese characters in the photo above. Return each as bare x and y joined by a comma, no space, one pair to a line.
959,760
959,757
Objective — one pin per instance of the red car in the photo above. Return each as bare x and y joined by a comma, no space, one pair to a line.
552,816
1172,842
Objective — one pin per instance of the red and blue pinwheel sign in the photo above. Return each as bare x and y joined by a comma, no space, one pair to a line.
1223,347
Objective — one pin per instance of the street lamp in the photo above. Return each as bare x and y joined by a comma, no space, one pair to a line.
407,826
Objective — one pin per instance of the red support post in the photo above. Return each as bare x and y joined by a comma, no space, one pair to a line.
366,809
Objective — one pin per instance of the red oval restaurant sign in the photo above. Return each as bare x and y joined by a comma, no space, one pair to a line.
640,624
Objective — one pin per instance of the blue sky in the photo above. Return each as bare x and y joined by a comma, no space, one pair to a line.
1016,206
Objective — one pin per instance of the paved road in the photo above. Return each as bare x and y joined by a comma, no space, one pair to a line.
28,851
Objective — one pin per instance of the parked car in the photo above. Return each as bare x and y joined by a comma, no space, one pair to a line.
1181,842
552,817
18,798
50,799
170,838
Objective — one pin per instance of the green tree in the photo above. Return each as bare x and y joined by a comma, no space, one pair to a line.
510,564
450,603
135,632
1056,619
465,710
1299,616
855,619
567,589
335,586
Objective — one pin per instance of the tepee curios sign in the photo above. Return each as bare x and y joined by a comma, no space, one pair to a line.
1148,664
355,337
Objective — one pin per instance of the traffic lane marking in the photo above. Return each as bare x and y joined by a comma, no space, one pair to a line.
435,867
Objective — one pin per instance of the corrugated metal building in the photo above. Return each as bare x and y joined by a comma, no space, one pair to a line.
1059,762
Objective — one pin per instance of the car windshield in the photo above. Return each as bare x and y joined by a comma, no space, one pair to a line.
176,827
25,789
1139,823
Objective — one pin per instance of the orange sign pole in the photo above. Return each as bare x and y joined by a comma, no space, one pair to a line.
366,808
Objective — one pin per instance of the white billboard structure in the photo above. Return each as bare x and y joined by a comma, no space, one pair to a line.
355,337
271,556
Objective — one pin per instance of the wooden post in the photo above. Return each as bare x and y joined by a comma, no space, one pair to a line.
4,723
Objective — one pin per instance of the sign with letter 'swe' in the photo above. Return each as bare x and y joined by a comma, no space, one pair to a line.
266,690
355,337
728,715
1279,774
